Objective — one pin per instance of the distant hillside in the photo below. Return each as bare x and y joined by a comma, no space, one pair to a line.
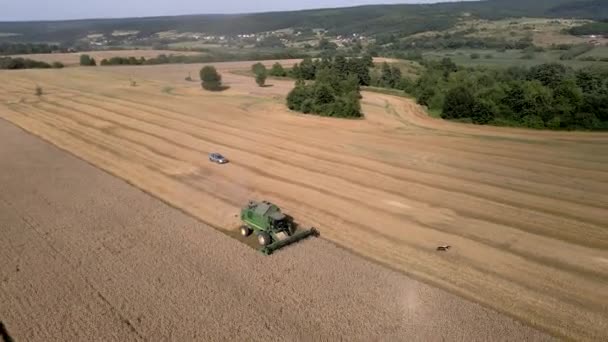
597,8
402,19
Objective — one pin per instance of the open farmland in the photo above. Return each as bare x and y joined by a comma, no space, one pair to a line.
525,211
72,59
86,257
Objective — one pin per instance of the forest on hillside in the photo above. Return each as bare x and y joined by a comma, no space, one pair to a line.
369,20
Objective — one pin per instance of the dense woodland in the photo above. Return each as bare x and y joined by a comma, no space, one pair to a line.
545,96
335,86
596,28
29,48
369,20
217,56
9,63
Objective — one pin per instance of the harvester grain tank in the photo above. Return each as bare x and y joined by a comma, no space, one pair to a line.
274,229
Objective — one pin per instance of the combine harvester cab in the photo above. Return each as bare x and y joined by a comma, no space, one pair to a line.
273,228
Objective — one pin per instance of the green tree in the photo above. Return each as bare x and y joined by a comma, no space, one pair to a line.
307,69
533,121
586,121
427,85
260,77
550,74
483,112
257,68
338,100
591,79
341,64
277,70
325,62
395,76
350,84
514,100
368,60
210,78
514,73
537,100
386,78
307,106
360,67
296,72
329,76
323,94
390,76
406,85
458,103
347,106
325,44
596,103
86,60
297,96
554,123
567,99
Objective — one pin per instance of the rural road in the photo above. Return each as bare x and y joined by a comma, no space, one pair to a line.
85,256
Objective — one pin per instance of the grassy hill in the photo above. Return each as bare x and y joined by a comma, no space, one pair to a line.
370,20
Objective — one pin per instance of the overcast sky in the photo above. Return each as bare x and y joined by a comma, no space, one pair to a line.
78,9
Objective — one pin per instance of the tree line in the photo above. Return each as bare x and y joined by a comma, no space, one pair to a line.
575,51
123,61
457,41
213,57
596,28
9,63
29,48
217,56
333,87
550,96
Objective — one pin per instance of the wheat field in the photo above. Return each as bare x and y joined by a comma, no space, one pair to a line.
526,212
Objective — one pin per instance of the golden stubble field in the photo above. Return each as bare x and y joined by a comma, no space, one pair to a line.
525,212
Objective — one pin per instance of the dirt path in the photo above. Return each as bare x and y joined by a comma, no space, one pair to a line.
525,211
88,257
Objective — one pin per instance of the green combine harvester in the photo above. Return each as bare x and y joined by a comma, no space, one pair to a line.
273,228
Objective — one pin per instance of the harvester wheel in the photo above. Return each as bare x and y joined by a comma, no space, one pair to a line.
264,239
245,231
